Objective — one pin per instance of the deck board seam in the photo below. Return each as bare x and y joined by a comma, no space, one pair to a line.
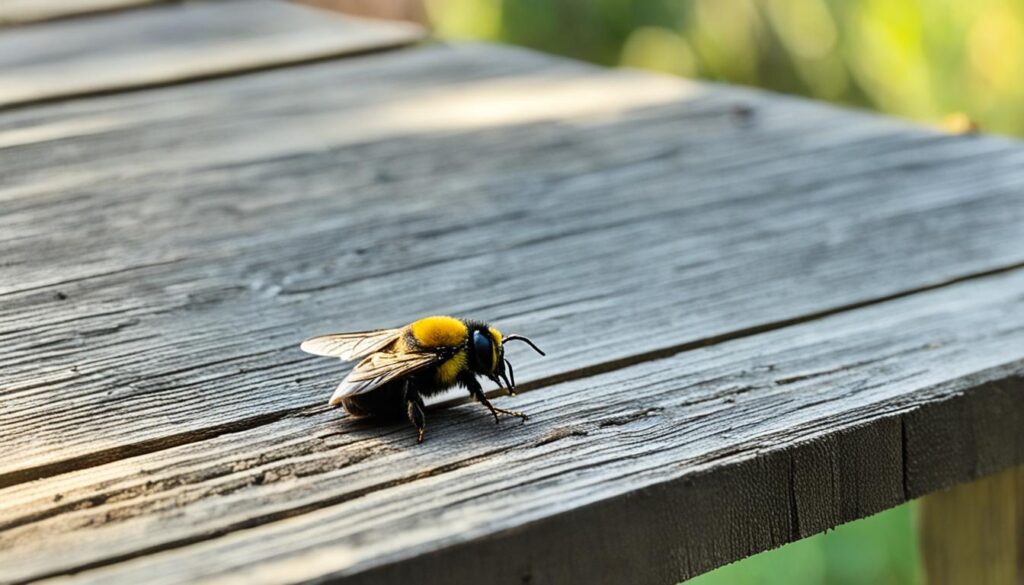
88,13
339,54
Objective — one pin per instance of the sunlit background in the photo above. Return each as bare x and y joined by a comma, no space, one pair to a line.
955,64
948,62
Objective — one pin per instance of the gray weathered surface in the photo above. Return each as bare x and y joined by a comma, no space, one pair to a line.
161,294
14,12
177,42
677,256
693,460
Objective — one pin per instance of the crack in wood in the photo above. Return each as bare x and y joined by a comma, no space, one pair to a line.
904,459
94,458
86,277
794,505
559,434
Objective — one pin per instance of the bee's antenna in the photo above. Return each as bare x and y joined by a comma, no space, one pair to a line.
511,373
524,339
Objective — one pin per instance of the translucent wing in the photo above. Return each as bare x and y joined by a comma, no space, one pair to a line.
350,346
378,369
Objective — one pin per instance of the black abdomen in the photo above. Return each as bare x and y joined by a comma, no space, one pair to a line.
388,401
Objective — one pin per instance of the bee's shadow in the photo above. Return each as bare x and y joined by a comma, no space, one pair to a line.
449,419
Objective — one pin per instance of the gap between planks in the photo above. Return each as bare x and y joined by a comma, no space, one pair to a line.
30,12
229,35
199,78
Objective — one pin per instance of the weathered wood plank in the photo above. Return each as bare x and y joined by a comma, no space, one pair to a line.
154,290
649,474
974,533
14,12
177,42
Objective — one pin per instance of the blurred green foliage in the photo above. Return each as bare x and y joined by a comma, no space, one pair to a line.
950,62
937,61
880,550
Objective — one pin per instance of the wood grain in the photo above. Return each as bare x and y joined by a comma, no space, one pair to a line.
974,533
177,42
411,10
16,12
155,289
649,474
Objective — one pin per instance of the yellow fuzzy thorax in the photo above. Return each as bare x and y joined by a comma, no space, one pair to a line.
496,335
448,372
439,331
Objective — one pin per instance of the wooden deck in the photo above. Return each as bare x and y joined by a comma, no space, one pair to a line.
763,316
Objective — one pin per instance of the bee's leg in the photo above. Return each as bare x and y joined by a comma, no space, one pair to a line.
478,393
414,409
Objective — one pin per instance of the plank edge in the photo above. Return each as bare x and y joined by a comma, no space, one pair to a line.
656,519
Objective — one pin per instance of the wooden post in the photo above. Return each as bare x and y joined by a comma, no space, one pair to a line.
974,533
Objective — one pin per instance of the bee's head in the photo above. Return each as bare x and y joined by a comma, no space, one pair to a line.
487,354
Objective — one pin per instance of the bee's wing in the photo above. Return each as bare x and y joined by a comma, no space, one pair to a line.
350,346
378,369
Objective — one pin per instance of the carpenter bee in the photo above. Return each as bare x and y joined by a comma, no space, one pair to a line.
399,367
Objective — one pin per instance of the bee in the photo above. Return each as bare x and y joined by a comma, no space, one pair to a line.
400,367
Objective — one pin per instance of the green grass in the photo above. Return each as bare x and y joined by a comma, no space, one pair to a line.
880,550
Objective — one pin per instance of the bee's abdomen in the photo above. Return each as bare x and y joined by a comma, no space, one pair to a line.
353,407
385,402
